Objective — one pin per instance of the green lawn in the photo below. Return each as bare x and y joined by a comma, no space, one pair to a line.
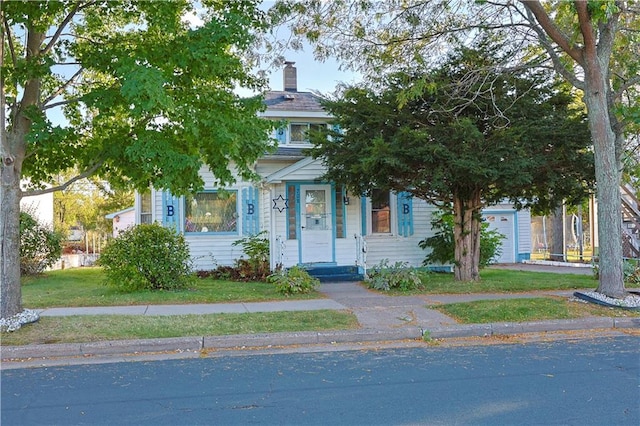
504,281
529,309
85,287
76,329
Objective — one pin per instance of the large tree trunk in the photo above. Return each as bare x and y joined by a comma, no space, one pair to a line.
10,290
12,152
608,168
557,235
466,236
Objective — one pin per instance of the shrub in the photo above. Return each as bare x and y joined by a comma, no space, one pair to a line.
293,280
632,272
397,276
256,267
443,247
40,247
147,257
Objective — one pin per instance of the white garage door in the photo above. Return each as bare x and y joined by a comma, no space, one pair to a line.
505,224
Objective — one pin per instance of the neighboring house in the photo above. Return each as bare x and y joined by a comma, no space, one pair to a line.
122,220
308,221
40,206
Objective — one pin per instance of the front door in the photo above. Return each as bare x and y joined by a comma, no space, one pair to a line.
316,235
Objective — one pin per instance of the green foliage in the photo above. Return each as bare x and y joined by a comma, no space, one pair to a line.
521,138
397,276
293,280
138,94
631,271
86,202
442,244
256,267
40,247
147,257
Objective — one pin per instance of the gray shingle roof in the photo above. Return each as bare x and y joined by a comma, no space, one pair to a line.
292,101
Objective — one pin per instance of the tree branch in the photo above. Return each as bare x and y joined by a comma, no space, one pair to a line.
552,30
7,31
61,88
66,184
561,68
54,39
586,28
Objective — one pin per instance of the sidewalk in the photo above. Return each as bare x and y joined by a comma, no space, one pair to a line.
382,318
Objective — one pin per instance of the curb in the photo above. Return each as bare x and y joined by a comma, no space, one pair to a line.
195,344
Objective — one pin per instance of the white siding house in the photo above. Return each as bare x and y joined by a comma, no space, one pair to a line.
308,221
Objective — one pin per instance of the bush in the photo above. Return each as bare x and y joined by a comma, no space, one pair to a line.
293,280
40,247
397,276
632,272
256,267
147,257
443,247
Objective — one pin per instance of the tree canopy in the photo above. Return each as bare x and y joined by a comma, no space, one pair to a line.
138,93
521,138
593,45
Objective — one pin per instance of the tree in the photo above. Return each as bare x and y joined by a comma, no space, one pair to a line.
86,202
147,99
519,140
594,45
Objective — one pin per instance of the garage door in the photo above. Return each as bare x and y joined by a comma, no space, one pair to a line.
504,223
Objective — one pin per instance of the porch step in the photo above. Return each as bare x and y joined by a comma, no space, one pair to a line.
335,273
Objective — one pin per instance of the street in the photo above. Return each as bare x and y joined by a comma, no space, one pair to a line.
589,381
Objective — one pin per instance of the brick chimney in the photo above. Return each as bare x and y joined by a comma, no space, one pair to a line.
290,77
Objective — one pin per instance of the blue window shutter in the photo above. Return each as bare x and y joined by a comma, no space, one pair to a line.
250,214
363,211
405,214
171,211
281,135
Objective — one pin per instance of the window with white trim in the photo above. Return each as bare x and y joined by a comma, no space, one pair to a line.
299,132
380,212
211,211
146,214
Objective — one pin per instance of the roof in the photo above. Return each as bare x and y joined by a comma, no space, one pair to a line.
285,151
292,101
118,213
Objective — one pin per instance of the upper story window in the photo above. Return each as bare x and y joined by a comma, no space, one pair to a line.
297,133
145,207
211,212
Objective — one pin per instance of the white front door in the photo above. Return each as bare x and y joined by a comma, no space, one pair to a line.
316,235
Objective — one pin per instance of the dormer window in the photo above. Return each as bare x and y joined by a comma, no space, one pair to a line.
297,133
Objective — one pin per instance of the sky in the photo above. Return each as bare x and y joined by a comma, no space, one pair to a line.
312,75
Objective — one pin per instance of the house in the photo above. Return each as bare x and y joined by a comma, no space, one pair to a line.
39,206
122,220
308,221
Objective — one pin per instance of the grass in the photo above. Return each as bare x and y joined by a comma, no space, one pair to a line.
528,309
85,287
76,329
502,281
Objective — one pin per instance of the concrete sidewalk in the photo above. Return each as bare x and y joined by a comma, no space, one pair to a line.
382,318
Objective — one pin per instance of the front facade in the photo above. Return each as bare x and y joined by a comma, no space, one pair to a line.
308,221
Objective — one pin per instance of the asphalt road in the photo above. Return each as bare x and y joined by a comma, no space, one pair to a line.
592,381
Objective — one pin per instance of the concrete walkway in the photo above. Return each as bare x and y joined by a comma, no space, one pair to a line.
381,317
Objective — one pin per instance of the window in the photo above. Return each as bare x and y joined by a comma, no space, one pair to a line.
145,207
211,212
300,131
380,212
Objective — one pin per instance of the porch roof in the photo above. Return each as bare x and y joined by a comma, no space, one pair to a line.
288,171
